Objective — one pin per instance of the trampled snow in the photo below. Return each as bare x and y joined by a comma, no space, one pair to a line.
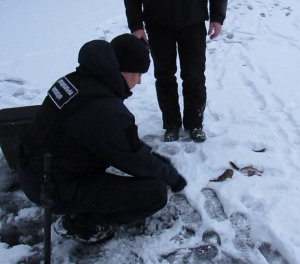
253,104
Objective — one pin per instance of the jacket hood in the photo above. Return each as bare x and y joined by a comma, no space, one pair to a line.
97,59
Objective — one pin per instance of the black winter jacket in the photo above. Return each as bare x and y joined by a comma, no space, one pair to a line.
173,13
97,133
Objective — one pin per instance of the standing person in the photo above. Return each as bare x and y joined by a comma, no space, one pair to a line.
178,25
85,126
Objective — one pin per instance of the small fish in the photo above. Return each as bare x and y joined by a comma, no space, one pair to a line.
250,171
247,171
259,150
226,175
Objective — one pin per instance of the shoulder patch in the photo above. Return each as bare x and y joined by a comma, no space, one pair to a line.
62,92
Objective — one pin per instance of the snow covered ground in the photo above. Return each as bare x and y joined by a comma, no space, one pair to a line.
253,104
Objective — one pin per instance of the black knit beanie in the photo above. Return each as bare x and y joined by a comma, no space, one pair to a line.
132,53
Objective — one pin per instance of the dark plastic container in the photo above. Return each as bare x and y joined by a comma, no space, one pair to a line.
13,123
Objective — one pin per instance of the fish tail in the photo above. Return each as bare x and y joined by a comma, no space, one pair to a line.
234,166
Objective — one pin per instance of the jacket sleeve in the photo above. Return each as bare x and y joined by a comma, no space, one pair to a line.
141,164
217,10
107,129
134,14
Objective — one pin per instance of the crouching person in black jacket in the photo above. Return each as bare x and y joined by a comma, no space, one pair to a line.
86,128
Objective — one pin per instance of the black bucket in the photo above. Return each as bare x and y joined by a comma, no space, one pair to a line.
13,123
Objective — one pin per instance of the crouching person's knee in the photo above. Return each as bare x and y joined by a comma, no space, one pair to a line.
159,195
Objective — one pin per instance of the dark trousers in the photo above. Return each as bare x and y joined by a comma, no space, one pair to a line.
190,42
113,199
100,199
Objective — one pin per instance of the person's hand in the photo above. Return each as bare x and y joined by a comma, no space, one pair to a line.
179,185
140,33
214,29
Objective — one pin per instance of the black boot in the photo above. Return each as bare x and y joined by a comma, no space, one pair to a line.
171,134
68,227
197,135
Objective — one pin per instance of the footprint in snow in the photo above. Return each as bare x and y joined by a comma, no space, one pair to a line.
242,240
169,149
211,237
212,205
176,209
201,254
271,255
189,148
227,258
153,141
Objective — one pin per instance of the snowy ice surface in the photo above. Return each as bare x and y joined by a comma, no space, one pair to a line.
253,103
